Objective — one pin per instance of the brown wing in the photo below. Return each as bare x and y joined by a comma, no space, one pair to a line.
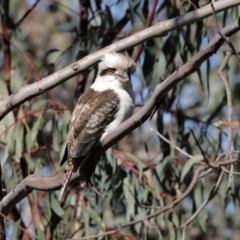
93,112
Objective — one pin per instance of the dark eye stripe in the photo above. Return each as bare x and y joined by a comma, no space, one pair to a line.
112,70
108,71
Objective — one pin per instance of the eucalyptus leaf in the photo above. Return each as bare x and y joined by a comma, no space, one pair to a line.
198,198
56,137
36,128
40,104
30,162
128,190
18,141
86,222
66,26
4,91
56,206
95,217
187,167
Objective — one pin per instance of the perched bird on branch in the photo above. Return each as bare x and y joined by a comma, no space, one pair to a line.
104,106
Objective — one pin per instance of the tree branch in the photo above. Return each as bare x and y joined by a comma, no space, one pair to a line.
167,207
160,29
53,183
26,14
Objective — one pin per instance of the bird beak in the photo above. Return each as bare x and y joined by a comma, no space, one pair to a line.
122,76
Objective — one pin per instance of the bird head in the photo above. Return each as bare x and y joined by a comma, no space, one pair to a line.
116,67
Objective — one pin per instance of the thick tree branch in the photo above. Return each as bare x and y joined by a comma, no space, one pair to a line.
48,184
161,89
160,29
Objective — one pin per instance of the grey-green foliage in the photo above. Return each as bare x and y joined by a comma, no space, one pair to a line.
142,169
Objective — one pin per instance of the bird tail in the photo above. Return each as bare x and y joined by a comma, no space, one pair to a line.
66,181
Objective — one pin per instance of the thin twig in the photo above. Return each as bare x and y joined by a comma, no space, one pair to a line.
17,226
156,228
26,14
230,110
211,195
231,171
223,36
139,48
162,210
200,148
35,89
48,184
190,2
175,146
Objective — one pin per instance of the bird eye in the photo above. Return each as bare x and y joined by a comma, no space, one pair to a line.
112,70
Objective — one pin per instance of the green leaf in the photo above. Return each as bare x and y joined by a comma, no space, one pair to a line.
18,141
6,153
187,167
15,230
95,217
47,210
6,127
3,90
37,127
159,69
56,137
160,168
40,104
132,157
86,222
50,52
30,162
49,114
40,233
66,26
111,158
172,231
175,219
66,118
128,190
198,198
56,206
28,139
69,56
106,202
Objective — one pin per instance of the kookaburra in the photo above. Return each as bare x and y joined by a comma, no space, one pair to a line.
104,106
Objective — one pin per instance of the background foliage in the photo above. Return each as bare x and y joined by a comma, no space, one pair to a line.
142,170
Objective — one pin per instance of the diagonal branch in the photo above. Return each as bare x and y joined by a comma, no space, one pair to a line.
169,206
53,183
161,89
26,13
160,29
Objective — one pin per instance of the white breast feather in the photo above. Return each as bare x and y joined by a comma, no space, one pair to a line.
125,111
126,97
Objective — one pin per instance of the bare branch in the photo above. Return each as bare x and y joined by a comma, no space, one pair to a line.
161,89
54,183
175,202
27,13
30,183
230,110
174,145
139,48
211,195
156,228
160,29
225,38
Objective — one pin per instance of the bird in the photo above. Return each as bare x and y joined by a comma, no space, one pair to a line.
104,106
